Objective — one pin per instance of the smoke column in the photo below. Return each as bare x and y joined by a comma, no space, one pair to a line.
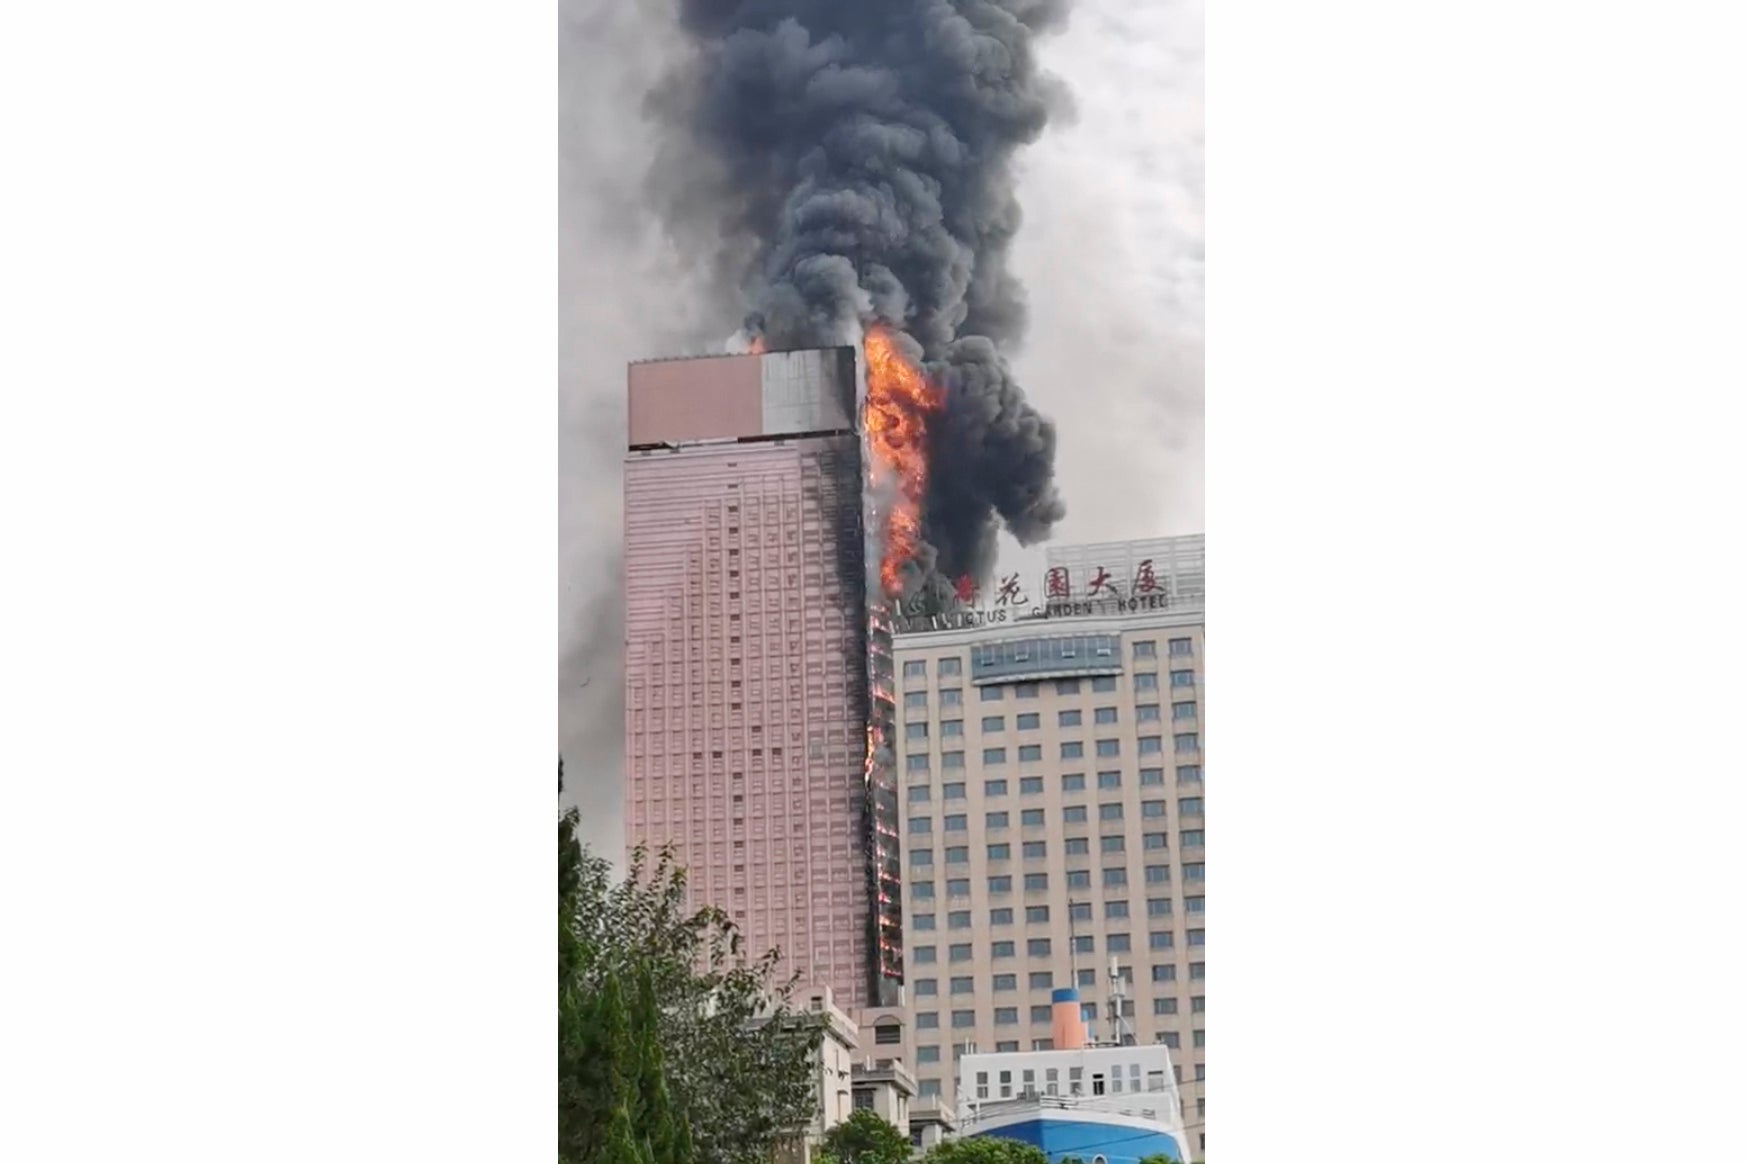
862,156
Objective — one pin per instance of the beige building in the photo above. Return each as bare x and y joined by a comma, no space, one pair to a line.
1053,814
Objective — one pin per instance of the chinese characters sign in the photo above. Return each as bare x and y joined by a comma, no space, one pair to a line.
1099,592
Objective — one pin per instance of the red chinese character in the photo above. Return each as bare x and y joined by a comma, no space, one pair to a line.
965,589
1100,582
1009,592
1145,581
1055,583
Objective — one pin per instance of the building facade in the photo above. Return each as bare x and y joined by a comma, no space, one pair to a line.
748,688
1053,814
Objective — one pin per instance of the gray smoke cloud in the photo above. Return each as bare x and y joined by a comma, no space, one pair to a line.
860,168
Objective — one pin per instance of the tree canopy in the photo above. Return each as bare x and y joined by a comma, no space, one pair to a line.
984,1150
865,1138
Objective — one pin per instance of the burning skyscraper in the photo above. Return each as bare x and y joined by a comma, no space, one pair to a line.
758,671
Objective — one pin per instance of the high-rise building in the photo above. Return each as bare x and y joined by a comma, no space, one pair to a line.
753,665
1054,814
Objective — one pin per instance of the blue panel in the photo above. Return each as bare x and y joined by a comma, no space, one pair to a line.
1019,658
1117,1144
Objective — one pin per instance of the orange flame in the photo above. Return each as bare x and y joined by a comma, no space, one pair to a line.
756,346
899,401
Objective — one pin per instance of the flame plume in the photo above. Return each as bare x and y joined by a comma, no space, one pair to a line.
899,403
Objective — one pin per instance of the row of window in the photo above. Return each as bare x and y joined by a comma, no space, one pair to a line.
1045,979
930,1088
1185,743
1070,782
1008,1016
1117,910
1180,681
1071,814
1075,847
1000,884
1044,947
1067,717
954,664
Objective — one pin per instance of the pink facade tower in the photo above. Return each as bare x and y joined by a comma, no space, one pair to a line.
747,677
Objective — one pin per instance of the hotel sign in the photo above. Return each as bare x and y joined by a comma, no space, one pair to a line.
1101,595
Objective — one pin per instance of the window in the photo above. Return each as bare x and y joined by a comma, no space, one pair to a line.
992,694
1155,841
1079,879
1193,838
1000,883
952,791
1109,779
1173,1040
958,887
1079,911
1115,879
1146,713
922,889
1001,950
951,759
921,857
1035,914
958,919
925,955
1182,710
1078,846
1181,647
952,697
960,952
1194,872
1197,1004
1006,981
927,1020
928,1054
1030,785
1104,715
1151,776
1006,1046
957,854
1194,905
1200,1077
914,699
1000,851
1075,814
963,1018
1163,1006
1103,683
1152,809
964,985
994,755
994,723
1000,917
1031,818
917,761
1196,971
1038,947
1115,909
1066,687
1109,747
1199,1041
1030,753
1030,721
1157,874
1188,773
1161,940
1157,907
1164,973
994,788
1024,690
1042,980
1180,679
1109,811
927,986
1072,750
1069,718
1146,649
951,727
1085,943
1035,849
915,730
1042,1014
920,794
921,824
1197,937
924,921
952,666
1118,944
1188,806
995,820
956,822
1073,782
1036,882
915,669
1151,745
1005,1016
1112,844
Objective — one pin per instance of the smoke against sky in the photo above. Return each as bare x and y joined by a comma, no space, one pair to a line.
1109,254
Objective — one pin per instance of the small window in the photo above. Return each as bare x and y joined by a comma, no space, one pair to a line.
920,794
1157,874
1152,808
1104,715
1035,914
1000,851
957,822
1181,647
951,666
1079,879
994,723
1030,721
1036,849
1146,649
1031,818
951,727
1115,878
1078,846
994,788
993,694
914,699
1109,811
1109,747
1042,980
915,669
1152,745
1066,686
1030,785
915,730
994,755
1102,683
1030,753
995,820
1038,947
952,697
952,791
1072,750
1146,713
951,759
921,889
1036,882
1024,690
1075,814
1069,718
1109,779
1151,777
921,824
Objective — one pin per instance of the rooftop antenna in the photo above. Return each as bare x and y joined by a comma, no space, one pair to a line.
1118,993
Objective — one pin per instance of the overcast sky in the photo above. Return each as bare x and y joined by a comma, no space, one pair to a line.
1111,250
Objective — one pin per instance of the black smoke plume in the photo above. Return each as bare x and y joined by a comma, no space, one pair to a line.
865,149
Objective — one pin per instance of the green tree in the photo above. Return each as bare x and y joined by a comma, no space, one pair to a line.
865,1138
984,1150
667,1031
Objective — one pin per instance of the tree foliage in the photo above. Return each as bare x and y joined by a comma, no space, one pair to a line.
865,1138
984,1150
674,1047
